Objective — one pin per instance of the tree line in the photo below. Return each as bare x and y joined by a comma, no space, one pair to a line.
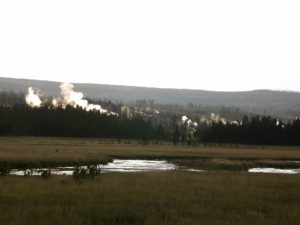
21,120
264,130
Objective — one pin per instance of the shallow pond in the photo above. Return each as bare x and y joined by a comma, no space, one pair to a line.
116,165
119,165
126,165
273,170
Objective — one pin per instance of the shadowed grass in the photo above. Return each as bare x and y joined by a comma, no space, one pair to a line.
152,198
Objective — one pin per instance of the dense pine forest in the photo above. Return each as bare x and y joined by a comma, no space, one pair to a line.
21,120
70,122
263,131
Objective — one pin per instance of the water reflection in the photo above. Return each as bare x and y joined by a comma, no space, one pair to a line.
273,170
137,166
117,165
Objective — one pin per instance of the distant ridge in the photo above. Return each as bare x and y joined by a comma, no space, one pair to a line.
273,102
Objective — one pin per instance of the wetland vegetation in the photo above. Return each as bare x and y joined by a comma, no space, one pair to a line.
223,196
40,152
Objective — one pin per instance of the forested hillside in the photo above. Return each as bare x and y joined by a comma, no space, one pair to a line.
276,103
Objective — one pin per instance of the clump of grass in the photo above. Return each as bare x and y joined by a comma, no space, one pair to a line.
4,168
45,174
91,171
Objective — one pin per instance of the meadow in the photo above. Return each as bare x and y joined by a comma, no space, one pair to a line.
30,152
152,198
226,195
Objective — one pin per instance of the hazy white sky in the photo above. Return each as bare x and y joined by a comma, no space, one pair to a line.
210,44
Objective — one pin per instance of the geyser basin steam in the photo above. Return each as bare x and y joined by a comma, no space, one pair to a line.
69,97
32,98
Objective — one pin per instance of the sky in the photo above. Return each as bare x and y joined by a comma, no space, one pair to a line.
231,45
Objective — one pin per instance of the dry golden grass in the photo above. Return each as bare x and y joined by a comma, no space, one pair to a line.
48,148
26,152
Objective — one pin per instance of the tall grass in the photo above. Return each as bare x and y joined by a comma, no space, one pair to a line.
152,198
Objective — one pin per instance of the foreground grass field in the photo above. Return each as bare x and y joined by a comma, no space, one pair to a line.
152,198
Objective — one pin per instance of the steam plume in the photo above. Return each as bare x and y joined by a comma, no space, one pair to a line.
75,99
32,98
69,97
216,118
188,123
185,120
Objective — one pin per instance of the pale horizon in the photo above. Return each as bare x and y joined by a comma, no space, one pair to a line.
215,46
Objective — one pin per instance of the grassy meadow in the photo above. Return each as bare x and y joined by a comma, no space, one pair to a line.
224,196
28,152
152,198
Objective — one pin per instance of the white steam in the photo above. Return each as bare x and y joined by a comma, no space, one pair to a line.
184,119
216,118
33,98
213,118
72,98
188,123
69,97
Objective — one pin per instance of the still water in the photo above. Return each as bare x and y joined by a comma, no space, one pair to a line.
123,165
117,165
273,170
